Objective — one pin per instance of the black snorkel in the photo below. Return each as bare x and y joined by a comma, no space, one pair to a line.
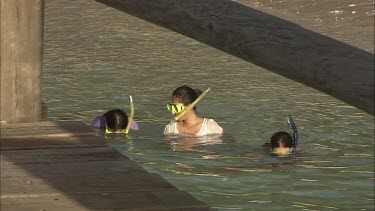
293,126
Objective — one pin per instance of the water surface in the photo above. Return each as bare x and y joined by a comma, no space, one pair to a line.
95,57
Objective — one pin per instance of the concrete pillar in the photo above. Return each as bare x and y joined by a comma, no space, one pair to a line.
328,65
21,60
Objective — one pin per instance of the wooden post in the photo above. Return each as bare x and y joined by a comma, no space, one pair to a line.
21,60
328,65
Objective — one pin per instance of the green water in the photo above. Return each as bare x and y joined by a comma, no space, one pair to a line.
95,57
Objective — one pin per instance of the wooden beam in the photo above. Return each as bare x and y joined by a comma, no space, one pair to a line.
328,65
21,60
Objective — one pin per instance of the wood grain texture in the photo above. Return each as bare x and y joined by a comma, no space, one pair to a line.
65,166
21,60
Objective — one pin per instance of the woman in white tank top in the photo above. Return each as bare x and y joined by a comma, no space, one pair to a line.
190,122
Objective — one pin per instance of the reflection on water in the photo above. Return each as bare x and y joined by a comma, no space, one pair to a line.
337,19
187,142
92,64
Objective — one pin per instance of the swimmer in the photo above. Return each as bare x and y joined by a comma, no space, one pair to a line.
116,121
186,119
283,143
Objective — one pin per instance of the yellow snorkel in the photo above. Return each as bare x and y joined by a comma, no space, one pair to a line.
191,105
130,119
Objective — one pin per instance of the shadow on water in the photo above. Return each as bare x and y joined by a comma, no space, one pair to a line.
318,61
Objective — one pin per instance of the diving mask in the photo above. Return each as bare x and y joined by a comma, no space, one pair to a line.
175,108
107,131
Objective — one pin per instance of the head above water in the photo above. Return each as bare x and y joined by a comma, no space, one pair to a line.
116,120
281,142
185,95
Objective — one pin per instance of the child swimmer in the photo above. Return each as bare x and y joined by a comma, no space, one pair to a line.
116,121
283,143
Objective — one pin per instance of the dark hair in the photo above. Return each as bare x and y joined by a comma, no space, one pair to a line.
186,94
281,139
116,119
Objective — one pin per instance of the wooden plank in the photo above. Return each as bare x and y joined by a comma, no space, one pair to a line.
77,179
52,142
80,161
66,123
46,129
73,162
43,135
100,168
83,185
140,201
55,156
83,177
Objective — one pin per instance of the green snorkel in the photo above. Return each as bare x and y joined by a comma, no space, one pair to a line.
191,105
130,119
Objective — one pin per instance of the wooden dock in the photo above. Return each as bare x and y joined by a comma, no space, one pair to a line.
65,166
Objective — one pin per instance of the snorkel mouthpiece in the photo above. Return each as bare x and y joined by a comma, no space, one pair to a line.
280,153
182,113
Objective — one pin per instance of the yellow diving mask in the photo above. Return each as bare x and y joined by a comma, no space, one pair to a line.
281,153
107,131
175,108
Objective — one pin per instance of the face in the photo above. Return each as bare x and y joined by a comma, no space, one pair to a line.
281,150
177,101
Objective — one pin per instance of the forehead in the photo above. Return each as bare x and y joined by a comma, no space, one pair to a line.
176,100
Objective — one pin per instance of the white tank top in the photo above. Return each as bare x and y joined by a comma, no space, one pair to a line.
209,126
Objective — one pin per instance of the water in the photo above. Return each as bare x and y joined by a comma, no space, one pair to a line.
95,57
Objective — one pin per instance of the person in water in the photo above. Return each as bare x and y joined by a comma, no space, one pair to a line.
115,121
281,143
186,119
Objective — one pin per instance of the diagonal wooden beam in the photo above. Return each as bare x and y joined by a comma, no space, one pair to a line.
320,62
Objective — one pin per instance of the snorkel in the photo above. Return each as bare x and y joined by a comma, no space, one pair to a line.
293,126
182,113
130,119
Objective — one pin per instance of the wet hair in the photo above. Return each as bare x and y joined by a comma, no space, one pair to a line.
281,139
186,94
116,119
